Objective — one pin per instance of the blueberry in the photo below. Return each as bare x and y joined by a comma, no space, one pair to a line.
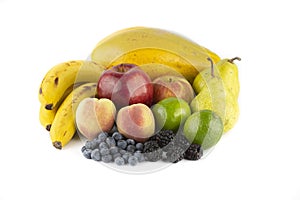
87,153
114,150
104,151
122,151
139,156
83,148
126,156
97,141
102,136
139,146
103,145
117,136
90,144
116,155
95,155
130,148
122,144
120,161
110,142
130,141
132,160
107,158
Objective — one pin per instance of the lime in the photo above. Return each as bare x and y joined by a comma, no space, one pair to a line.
170,113
204,127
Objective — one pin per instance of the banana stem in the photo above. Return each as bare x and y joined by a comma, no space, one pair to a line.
233,59
212,72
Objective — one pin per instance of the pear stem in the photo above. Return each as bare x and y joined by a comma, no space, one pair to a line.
233,59
212,72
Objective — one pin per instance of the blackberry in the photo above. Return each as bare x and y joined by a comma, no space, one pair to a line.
173,153
181,141
194,152
152,151
163,137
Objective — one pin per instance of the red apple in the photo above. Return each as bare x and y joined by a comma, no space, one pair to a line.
126,84
172,86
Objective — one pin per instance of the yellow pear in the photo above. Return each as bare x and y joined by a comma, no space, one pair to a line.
218,90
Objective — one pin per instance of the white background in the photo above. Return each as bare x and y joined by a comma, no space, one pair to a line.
258,159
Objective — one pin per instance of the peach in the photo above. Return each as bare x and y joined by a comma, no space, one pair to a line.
136,122
94,116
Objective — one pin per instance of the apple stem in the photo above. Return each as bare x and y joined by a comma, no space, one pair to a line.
212,72
233,59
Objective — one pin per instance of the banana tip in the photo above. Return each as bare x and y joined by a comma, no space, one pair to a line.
48,127
57,145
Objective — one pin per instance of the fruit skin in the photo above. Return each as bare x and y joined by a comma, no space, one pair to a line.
136,122
170,113
155,70
94,116
204,128
219,93
172,86
63,127
126,84
142,45
46,117
229,74
63,76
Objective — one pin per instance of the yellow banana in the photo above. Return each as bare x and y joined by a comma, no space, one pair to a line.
63,127
47,117
142,45
63,76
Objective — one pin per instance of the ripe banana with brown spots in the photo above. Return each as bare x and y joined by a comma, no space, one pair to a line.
63,76
63,126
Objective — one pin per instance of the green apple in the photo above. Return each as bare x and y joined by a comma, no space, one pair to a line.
170,113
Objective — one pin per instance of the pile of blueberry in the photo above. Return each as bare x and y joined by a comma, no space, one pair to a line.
165,145
114,148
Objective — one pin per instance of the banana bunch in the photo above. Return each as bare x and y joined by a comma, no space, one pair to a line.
61,90
143,46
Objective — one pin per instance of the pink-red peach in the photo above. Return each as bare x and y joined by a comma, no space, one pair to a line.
94,116
136,122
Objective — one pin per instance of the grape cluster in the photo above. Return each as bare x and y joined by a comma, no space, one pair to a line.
114,148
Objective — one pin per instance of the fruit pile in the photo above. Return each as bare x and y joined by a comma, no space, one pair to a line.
146,94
